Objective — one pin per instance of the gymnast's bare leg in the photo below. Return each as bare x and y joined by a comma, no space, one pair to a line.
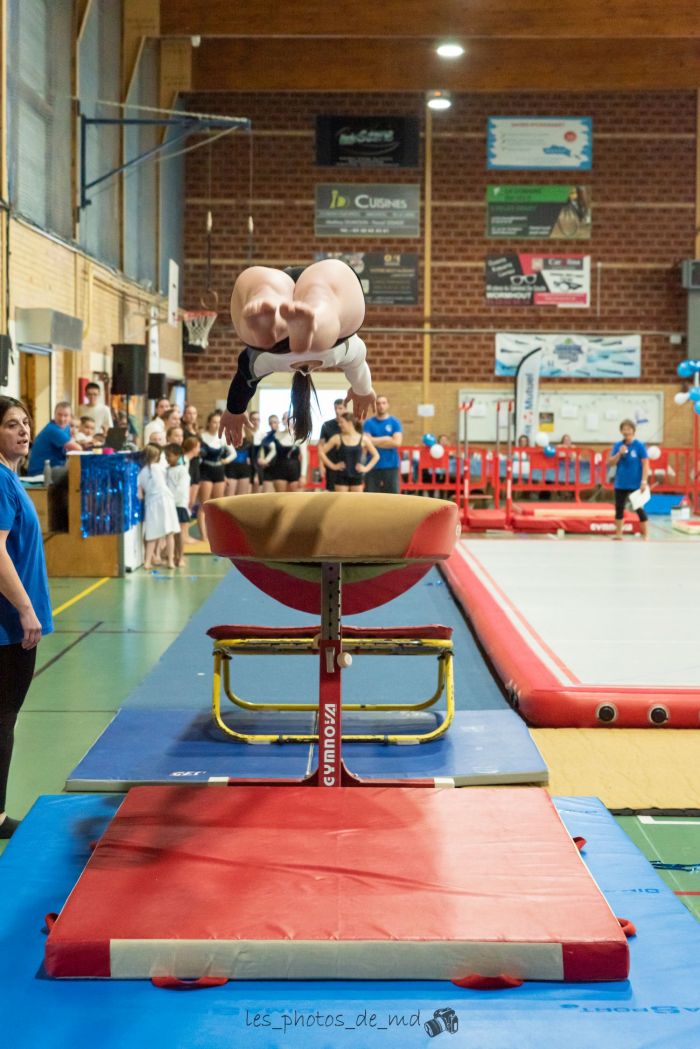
325,304
255,306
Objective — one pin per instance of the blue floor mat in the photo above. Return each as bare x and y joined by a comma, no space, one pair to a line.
183,746
182,677
659,1006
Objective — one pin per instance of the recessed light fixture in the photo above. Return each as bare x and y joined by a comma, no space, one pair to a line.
450,50
438,99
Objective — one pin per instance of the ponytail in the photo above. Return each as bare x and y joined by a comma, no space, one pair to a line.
300,415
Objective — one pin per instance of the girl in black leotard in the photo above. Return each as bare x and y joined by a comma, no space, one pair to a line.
351,444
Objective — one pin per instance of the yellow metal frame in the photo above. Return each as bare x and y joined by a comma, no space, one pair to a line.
225,649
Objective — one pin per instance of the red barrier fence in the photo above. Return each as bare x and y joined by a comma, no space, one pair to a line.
486,475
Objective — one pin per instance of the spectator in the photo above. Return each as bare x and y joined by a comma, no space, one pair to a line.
25,605
254,450
190,425
52,444
214,456
239,466
386,433
349,445
99,412
631,462
157,424
178,481
268,451
160,518
190,450
85,434
330,428
174,435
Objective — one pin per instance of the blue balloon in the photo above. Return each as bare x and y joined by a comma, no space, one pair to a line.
429,439
696,407
685,369
550,451
694,393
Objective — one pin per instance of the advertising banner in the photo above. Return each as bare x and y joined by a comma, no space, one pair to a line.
527,392
539,143
544,212
572,356
387,279
367,142
352,210
538,280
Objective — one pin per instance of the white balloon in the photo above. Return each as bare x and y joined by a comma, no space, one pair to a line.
654,452
542,439
437,451
681,398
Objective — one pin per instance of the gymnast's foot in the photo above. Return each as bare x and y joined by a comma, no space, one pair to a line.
301,324
262,325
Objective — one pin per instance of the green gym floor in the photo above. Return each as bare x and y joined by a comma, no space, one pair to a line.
108,635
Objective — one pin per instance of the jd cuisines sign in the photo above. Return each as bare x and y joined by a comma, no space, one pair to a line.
367,142
351,209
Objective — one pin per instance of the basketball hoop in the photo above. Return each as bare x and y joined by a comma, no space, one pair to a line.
199,324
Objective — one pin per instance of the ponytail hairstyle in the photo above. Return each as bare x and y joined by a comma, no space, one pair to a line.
300,415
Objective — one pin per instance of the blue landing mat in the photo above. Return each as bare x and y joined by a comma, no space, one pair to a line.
182,677
658,1008
180,746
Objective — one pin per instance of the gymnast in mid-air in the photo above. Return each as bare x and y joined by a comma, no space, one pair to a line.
297,320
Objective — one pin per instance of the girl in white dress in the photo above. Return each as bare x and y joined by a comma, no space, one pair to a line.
160,515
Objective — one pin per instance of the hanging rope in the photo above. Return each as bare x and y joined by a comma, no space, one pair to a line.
210,298
251,224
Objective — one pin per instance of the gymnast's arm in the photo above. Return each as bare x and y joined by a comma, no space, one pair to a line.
357,373
241,391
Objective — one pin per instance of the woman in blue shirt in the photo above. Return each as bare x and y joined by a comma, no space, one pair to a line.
25,608
631,462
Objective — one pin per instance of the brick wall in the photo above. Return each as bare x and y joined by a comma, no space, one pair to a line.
643,193
47,273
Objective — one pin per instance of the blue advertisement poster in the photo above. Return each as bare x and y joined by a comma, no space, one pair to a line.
539,143
569,355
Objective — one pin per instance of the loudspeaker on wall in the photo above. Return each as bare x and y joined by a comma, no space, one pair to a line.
129,368
157,385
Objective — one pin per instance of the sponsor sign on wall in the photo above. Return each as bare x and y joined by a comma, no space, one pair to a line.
538,280
387,279
544,212
540,143
353,210
376,142
569,355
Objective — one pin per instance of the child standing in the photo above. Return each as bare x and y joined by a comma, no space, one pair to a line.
160,516
178,481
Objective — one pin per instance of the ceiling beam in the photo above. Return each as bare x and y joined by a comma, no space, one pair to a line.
393,19
491,65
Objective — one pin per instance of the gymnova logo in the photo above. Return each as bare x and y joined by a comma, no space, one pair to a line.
366,202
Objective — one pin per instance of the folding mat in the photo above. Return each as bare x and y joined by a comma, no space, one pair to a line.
351,883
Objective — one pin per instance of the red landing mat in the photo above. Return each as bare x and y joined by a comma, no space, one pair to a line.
344,883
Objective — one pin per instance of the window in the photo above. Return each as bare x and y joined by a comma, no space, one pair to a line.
39,111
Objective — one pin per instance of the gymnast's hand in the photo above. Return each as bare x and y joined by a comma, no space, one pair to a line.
231,427
363,404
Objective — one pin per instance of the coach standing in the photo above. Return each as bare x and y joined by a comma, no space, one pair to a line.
25,607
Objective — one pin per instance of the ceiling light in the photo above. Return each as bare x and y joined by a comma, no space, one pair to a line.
438,99
450,50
